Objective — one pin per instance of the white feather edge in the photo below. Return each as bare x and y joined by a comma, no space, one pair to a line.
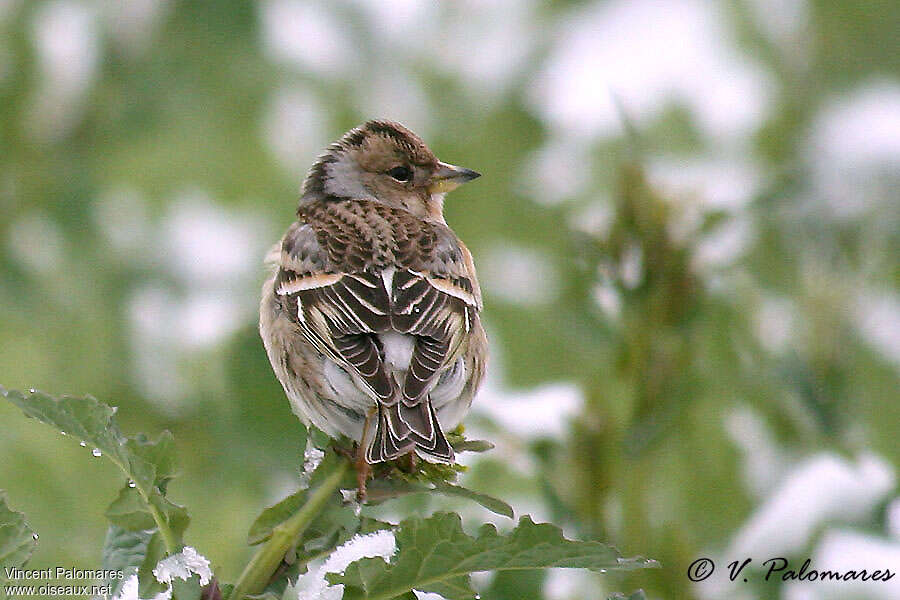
450,289
308,283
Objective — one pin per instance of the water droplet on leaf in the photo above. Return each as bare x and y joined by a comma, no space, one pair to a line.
131,484
34,536
31,390
64,433
82,443
96,452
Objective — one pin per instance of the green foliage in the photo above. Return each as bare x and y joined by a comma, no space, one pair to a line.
183,108
436,555
128,551
433,554
141,508
385,489
17,540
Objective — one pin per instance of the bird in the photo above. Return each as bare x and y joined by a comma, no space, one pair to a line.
371,318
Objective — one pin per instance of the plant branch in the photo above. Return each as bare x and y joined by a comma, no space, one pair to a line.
163,525
161,522
261,567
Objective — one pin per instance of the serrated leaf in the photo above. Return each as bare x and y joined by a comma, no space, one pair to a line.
494,505
153,461
84,419
436,555
129,511
124,551
147,463
189,589
175,515
17,539
385,489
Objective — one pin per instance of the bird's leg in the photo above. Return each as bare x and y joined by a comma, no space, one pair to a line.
413,461
363,468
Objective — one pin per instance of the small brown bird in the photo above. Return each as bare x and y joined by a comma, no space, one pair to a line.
371,318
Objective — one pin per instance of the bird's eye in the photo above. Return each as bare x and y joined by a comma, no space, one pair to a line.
402,174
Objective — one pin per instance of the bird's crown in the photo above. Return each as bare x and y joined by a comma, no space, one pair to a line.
374,141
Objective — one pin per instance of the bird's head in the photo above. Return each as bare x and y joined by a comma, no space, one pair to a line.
387,162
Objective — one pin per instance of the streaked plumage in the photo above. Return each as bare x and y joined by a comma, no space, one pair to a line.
371,319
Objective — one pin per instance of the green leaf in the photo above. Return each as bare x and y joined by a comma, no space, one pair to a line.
334,517
436,555
17,539
380,490
472,446
262,527
155,458
175,515
84,419
124,551
319,438
494,505
148,586
186,589
130,512
148,464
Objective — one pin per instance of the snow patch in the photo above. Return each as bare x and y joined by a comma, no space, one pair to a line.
183,565
824,488
313,586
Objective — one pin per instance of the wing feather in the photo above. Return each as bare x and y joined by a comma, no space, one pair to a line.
356,269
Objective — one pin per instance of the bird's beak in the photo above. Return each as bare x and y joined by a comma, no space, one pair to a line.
449,177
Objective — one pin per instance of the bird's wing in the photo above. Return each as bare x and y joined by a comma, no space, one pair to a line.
335,311
358,269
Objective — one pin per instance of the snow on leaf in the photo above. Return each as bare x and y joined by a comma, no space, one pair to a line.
129,591
183,565
313,586
436,555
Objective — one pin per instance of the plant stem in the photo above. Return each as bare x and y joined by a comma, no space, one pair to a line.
261,567
163,525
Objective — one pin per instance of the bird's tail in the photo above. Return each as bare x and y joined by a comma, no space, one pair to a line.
401,428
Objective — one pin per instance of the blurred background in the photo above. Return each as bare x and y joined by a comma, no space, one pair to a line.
687,233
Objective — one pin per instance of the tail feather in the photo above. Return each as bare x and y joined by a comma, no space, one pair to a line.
418,420
385,444
415,421
440,449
